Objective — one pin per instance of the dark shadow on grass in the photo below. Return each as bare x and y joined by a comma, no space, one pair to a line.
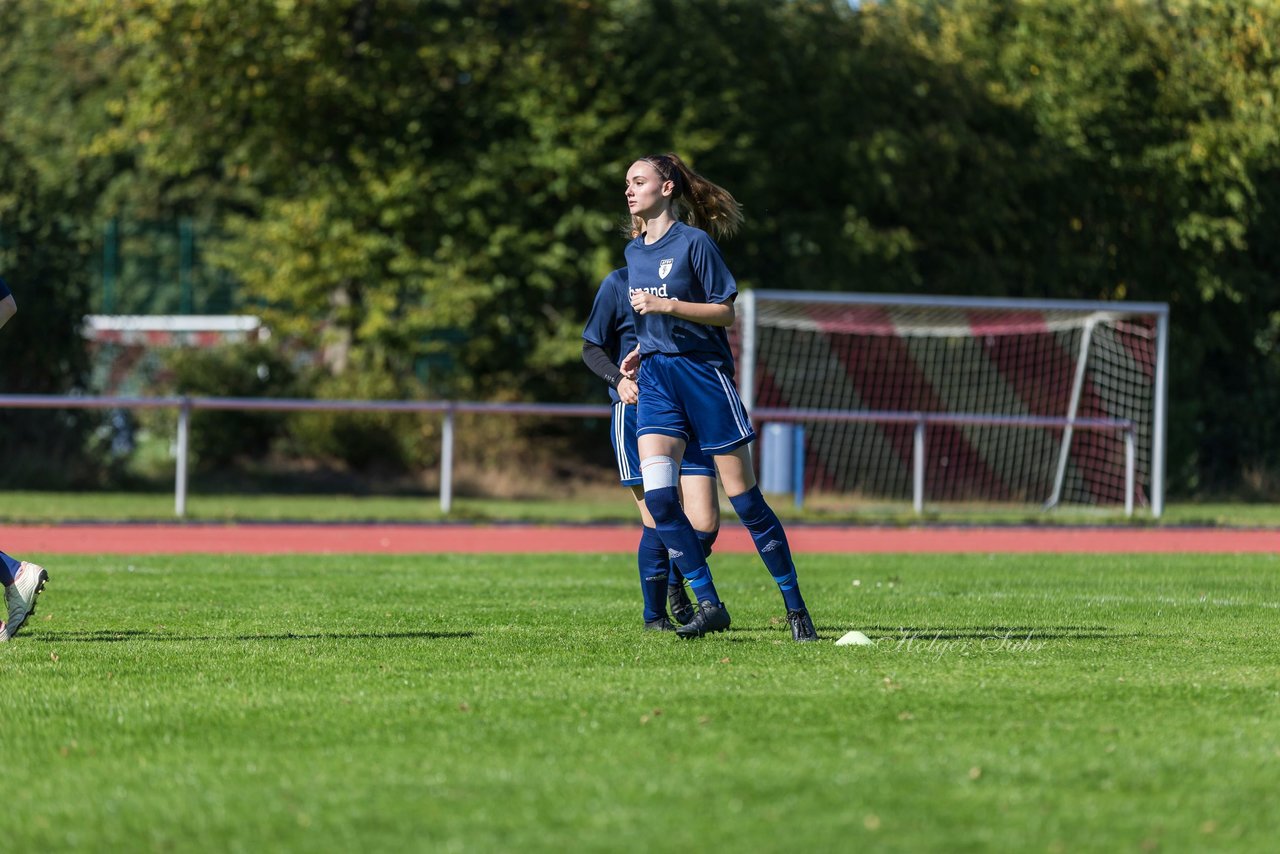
921,634
108,636
988,628
95,636
361,636
987,632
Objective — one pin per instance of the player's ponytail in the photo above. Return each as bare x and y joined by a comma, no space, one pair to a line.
704,205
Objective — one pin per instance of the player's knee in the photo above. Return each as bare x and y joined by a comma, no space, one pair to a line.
660,493
703,514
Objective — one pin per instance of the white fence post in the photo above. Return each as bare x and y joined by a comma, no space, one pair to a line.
180,477
917,468
1130,466
446,463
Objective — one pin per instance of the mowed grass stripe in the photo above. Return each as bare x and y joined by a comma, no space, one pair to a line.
501,703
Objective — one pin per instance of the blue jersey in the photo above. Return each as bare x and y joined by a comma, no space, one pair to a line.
4,289
611,324
684,264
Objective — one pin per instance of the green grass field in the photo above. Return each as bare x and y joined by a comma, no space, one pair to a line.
461,703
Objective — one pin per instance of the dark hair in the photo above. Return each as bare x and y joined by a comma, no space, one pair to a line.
703,204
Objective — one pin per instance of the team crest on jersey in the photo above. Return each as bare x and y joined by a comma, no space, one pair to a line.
664,267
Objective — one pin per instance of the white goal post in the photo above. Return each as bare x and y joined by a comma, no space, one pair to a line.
961,399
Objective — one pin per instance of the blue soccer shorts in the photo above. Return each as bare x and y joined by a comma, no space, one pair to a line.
625,451
691,400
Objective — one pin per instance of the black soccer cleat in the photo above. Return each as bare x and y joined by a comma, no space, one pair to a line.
662,624
710,618
802,626
682,610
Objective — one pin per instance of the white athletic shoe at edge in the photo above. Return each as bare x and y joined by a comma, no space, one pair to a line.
20,597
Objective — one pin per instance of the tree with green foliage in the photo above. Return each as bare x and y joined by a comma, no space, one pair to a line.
1138,149
47,199
428,191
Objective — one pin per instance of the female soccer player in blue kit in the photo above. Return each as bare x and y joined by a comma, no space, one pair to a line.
683,293
22,581
610,333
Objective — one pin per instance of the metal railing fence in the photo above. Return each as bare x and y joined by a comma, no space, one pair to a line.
450,409
923,420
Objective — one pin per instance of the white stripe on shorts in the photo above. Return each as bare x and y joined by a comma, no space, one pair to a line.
620,439
735,403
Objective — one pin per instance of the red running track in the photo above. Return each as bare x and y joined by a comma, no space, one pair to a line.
506,539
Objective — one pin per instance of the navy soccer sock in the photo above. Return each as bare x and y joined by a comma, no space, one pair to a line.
708,539
681,541
654,562
771,542
8,569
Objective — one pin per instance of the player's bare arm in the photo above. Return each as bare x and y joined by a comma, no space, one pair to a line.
631,363
709,314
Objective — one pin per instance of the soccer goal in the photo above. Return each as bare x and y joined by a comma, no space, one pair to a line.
960,400
125,349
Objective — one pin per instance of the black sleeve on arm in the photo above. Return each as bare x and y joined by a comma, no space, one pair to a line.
600,363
